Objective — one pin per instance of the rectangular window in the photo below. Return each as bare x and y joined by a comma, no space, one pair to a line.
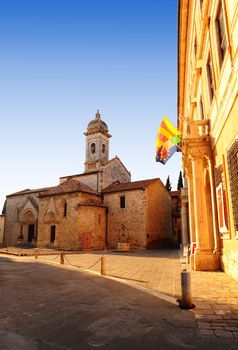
122,201
65,209
221,33
233,177
210,77
52,234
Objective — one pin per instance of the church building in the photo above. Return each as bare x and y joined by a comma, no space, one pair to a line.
98,208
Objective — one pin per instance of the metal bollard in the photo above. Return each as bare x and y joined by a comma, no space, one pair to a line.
62,258
103,265
186,302
36,253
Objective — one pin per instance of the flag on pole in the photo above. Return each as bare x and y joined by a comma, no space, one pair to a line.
167,140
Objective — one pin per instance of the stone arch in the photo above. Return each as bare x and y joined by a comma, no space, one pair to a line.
93,148
28,221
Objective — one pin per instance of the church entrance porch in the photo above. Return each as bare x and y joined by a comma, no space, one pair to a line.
28,232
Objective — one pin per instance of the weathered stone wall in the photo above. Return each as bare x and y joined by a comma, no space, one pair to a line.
88,179
229,258
158,215
16,227
129,221
2,219
113,171
83,221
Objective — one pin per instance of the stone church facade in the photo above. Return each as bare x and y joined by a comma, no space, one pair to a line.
96,209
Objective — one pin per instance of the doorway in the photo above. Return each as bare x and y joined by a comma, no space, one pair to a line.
31,232
52,234
87,241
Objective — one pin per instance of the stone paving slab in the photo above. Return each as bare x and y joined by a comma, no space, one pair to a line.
48,307
215,294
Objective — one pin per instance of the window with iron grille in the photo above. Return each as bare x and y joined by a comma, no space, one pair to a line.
221,32
218,175
233,177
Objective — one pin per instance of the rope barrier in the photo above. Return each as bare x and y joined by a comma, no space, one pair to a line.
39,256
81,266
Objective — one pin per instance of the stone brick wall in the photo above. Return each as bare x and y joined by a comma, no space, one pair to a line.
2,219
113,171
88,179
129,221
84,223
146,219
15,226
158,215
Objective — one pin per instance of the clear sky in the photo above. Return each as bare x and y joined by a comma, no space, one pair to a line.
60,61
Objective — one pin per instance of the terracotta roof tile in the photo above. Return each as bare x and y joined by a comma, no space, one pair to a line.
115,187
175,193
69,186
29,191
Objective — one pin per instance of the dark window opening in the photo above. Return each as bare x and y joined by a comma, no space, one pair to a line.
123,202
195,46
201,110
31,232
210,78
221,33
65,209
103,148
93,148
52,234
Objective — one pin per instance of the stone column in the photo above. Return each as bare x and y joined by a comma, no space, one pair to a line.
203,257
217,244
191,205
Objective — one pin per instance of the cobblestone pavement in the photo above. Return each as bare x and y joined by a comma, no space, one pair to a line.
215,294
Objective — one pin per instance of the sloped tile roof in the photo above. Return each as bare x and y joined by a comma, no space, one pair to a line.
69,186
29,191
175,193
116,187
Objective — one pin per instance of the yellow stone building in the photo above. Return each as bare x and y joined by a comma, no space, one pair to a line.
208,121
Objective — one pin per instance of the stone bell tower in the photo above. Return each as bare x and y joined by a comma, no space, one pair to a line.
97,144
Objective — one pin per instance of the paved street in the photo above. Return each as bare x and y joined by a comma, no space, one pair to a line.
45,305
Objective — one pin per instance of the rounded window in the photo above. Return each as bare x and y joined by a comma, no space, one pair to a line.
103,148
93,148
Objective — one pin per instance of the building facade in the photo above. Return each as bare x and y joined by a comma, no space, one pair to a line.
208,121
2,219
98,208
139,214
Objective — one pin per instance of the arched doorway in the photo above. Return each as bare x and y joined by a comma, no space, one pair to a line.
28,227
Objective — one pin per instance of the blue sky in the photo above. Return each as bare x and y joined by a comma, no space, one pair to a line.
60,61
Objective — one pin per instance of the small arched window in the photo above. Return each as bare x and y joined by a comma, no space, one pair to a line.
103,148
93,148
